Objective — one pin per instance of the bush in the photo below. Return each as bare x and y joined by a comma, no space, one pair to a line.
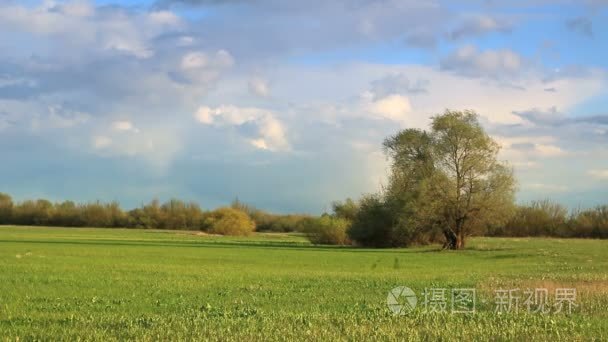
327,230
373,224
228,221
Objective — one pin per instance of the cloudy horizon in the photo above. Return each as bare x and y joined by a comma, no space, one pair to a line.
285,105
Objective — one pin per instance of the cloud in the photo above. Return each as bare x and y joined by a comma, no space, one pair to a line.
62,117
478,25
397,83
393,107
156,144
525,149
546,187
164,3
469,61
283,28
601,174
165,18
581,25
101,142
425,39
259,127
259,87
78,24
601,119
551,117
201,67
125,126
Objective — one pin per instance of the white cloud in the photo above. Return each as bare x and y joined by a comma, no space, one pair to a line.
599,174
478,25
124,125
157,144
525,165
469,61
101,142
393,107
546,150
81,8
546,187
204,115
259,87
521,149
265,130
194,60
60,117
77,28
202,68
165,18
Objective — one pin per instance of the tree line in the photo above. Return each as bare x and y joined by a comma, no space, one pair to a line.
237,219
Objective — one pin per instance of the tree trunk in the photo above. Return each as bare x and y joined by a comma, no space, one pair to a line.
453,240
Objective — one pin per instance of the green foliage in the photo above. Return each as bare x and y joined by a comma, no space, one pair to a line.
347,210
327,230
228,221
373,224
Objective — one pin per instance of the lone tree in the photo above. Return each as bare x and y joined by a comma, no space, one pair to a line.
448,178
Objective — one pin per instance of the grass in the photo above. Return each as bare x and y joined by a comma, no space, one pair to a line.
116,284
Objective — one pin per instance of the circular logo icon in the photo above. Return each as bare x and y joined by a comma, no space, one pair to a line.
401,300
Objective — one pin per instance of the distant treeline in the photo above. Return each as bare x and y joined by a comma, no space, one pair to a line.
173,214
347,222
547,218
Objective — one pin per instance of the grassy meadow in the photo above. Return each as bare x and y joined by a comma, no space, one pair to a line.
117,284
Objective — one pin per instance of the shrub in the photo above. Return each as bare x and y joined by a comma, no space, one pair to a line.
373,224
327,230
228,221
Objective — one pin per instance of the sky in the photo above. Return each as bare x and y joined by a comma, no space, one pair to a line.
285,104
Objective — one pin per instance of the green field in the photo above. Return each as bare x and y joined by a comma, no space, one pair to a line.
116,284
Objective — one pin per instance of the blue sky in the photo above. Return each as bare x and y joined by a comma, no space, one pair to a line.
285,104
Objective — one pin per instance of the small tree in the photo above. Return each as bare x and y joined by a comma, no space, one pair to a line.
229,221
327,230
